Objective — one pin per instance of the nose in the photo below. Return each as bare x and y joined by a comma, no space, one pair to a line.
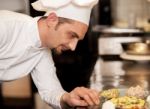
73,44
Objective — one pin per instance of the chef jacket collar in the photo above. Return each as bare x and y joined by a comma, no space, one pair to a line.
34,33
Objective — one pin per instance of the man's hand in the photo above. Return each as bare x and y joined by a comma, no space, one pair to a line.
80,96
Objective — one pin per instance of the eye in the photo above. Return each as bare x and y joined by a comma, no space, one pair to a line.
71,36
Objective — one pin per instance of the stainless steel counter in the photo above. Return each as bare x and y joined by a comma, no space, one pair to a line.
111,70
121,75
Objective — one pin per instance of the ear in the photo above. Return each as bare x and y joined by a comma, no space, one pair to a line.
52,18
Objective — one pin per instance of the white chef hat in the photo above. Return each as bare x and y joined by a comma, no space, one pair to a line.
78,10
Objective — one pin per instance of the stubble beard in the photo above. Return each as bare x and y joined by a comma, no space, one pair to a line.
57,51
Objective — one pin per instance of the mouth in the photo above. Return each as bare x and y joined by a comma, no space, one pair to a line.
60,49
64,48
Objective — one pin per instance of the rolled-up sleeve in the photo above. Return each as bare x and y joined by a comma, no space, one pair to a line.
46,81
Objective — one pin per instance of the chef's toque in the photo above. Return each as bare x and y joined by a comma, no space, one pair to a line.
79,10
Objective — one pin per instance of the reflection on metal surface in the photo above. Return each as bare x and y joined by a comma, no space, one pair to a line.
137,48
115,30
134,57
111,82
136,73
112,45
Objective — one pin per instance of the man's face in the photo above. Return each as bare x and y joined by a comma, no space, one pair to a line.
66,36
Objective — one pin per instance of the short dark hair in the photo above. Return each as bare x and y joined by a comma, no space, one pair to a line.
63,20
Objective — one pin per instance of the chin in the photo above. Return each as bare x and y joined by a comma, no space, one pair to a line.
57,51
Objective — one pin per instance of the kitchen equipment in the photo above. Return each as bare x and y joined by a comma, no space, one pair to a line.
141,58
137,48
116,30
114,67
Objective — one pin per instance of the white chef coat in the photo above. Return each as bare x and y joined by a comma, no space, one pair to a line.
21,54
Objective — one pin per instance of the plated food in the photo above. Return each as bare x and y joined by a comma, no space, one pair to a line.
111,93
133,98
128,102
137,91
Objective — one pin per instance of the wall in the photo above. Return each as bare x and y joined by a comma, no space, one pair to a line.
130,13
15,5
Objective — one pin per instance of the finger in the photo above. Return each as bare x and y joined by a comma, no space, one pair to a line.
79,102
90,95
91,98
81,107
88,99
81,94
94,96
73,100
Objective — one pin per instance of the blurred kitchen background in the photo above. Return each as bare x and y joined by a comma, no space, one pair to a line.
99,61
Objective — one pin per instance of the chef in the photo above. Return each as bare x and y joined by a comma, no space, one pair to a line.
26,44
